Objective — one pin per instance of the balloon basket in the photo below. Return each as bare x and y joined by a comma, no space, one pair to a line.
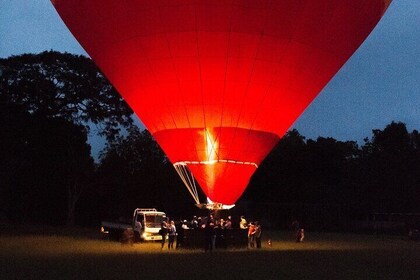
214,206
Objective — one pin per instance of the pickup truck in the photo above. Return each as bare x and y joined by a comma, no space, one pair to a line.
146,223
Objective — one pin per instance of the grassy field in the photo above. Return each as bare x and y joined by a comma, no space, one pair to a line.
50,254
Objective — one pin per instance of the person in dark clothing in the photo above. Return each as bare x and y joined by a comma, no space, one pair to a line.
163,232
220,236
182,226
210,235
194,223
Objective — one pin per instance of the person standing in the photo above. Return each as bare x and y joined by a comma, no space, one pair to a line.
183,227
228,224
243,223
210,235
194,223
163,231
172,234
258,232
300,235
251,235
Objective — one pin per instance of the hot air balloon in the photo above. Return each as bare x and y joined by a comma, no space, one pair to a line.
218,83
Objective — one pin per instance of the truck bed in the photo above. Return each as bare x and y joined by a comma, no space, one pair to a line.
115,225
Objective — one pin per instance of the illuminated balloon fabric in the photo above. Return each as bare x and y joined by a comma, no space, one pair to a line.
218,83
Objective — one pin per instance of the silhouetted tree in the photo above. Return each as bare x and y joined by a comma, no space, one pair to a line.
329,161
45,96
53,84
45,164
391,164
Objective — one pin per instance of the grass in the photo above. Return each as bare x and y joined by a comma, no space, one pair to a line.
50,254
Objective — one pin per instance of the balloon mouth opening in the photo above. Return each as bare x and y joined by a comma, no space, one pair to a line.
215,161
214,206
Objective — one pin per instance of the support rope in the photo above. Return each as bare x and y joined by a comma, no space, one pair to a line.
188,179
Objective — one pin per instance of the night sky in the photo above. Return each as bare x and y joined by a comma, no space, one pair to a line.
379,84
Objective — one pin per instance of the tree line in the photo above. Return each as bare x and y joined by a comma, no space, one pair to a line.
50,101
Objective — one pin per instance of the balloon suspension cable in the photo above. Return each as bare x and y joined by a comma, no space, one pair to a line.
188,179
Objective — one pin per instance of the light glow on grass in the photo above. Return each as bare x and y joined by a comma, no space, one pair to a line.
55,245
337,256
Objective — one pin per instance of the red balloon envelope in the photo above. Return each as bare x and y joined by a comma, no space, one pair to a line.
217,83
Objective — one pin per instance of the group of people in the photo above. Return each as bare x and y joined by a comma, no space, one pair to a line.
202,222
168,228
212,228
254,232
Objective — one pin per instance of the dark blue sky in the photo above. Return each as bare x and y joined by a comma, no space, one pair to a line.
380,83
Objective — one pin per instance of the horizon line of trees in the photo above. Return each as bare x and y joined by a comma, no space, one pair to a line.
48,175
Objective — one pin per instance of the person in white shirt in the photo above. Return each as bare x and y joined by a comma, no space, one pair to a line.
172,234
